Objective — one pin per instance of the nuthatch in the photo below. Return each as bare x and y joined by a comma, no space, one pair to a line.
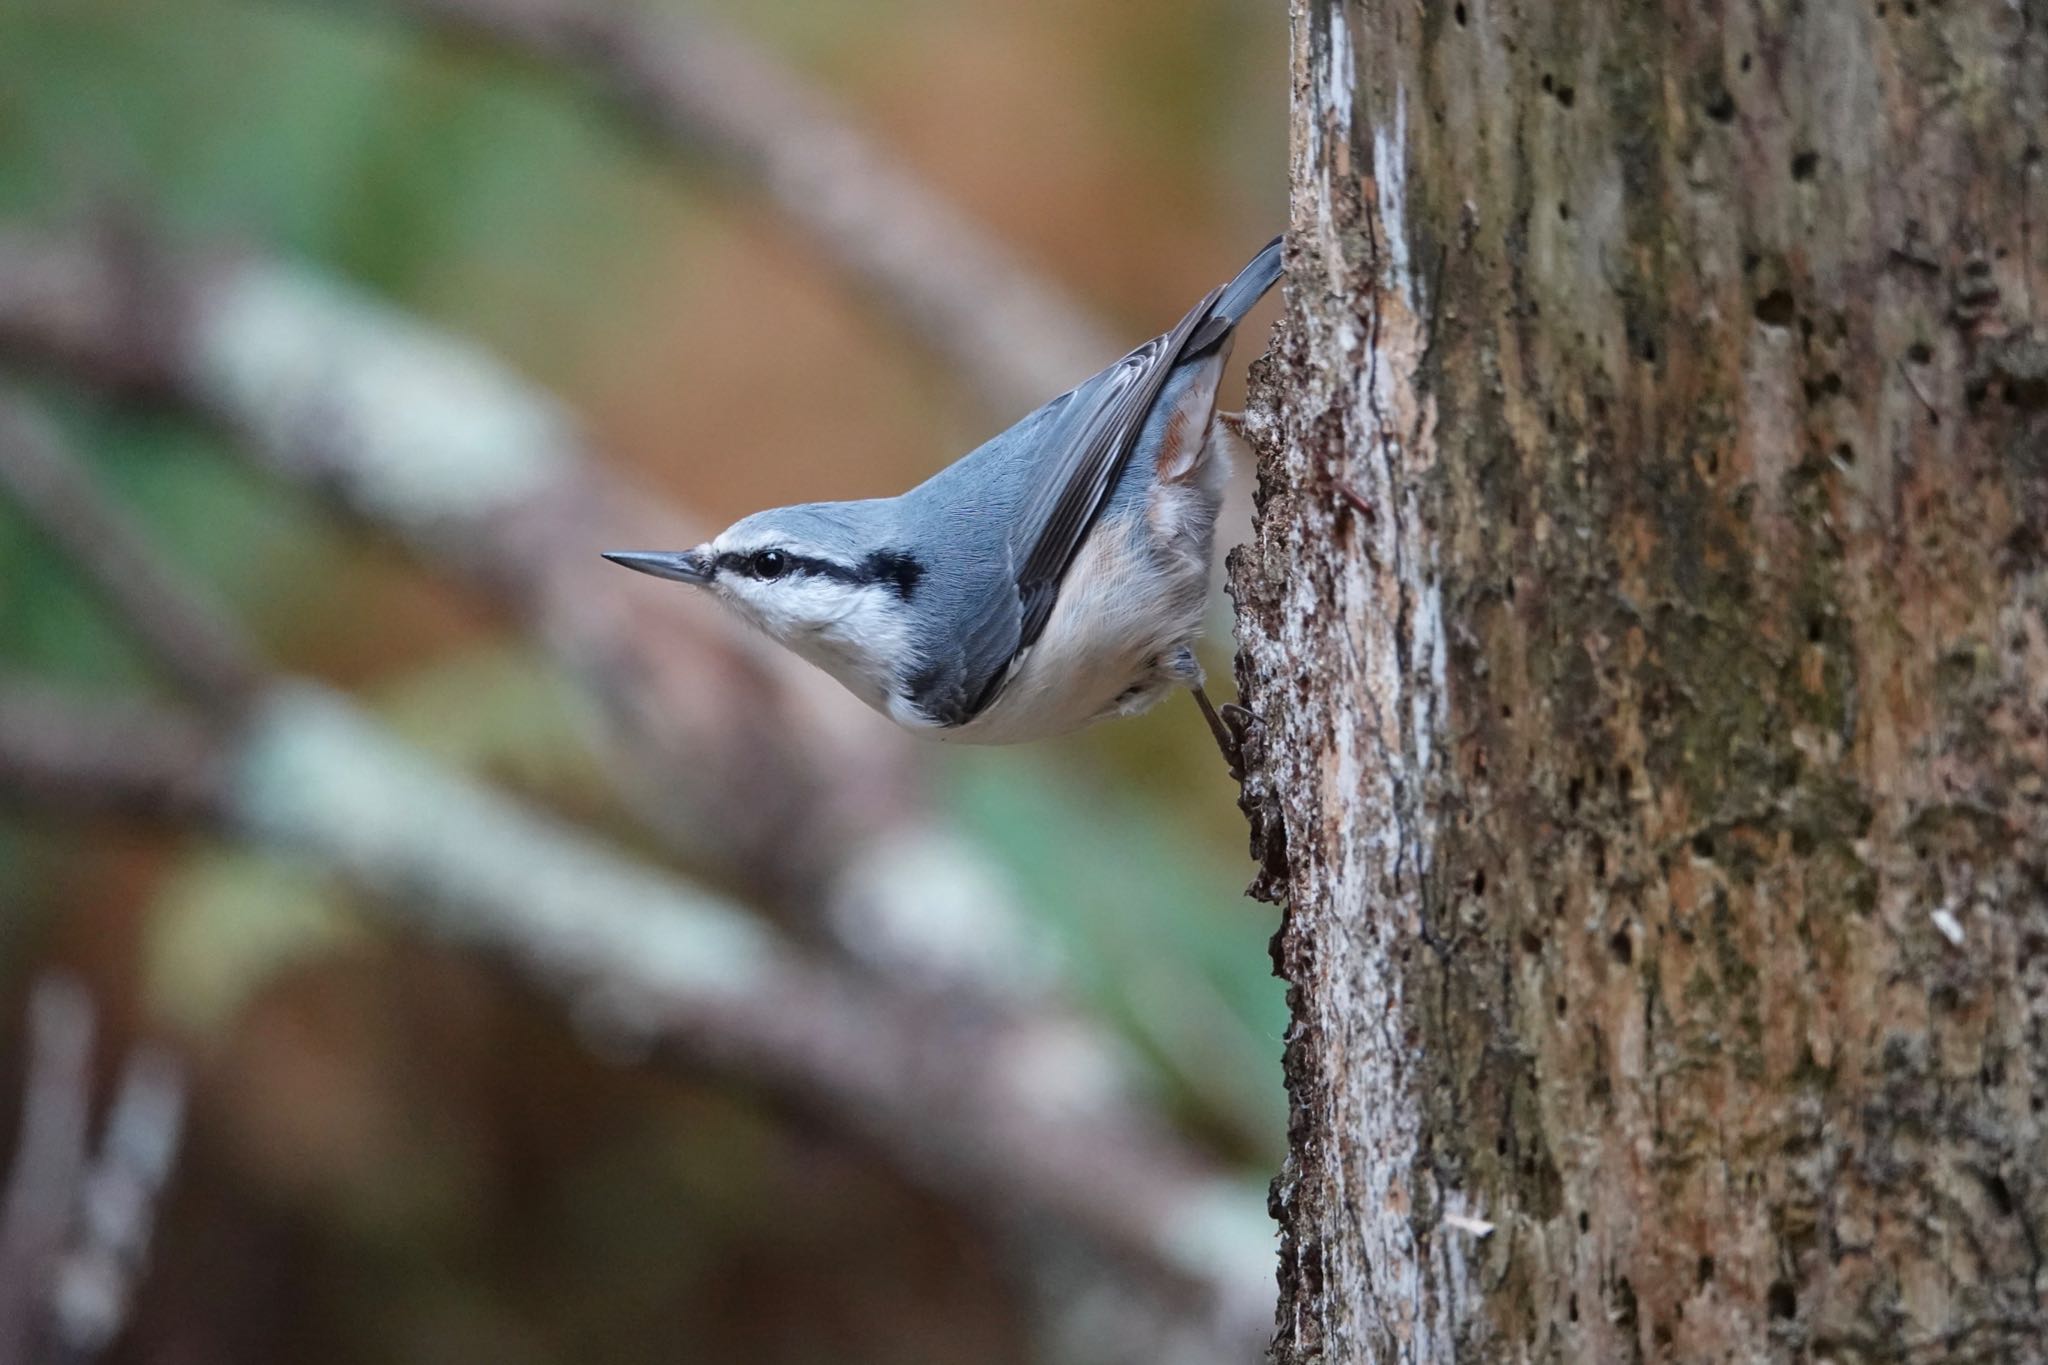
1053,577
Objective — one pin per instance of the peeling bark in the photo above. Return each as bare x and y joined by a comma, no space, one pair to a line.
1647,629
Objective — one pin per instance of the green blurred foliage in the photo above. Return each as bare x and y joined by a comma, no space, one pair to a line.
400,1156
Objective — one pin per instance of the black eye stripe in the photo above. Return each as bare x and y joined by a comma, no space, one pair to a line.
897,570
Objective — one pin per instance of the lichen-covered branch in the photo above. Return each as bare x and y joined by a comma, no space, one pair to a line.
644,959
747,759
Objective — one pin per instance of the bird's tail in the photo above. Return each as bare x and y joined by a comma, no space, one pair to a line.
1227,306
1250,286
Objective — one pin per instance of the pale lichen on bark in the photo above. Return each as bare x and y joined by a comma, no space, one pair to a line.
1347,679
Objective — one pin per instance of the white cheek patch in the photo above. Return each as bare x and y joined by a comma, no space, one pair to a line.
855,632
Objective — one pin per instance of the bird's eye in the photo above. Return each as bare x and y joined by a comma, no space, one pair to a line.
770,564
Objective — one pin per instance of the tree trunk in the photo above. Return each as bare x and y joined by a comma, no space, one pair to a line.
1647,630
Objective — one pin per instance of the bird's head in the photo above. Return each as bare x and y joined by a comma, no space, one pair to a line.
829,580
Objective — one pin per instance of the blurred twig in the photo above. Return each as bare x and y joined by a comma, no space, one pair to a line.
658,965
42,1186
114,758
95,1282
73,1232
1010,332
200,649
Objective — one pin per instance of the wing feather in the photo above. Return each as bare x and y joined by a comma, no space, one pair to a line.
1066,502
1089,435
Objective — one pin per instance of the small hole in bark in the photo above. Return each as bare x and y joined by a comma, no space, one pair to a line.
1507,712
1776,308
1623,948
1564,211
1816,627
1705,1269
1721,107
1557,906
1479,882
1575,792
1784,1302
1845,452
1571,1309
1744,63
1649,352
2000,1193
1458,13
1546,84
1584,1221
1919,353
1804,164
1567,96
1703,845
1531,944
1560,1007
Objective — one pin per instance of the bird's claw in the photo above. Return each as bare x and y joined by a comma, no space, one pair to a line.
1229,725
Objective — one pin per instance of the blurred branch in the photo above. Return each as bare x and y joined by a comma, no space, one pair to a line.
744,757
95,1282
653,964
199,648
115,758
42,1185
1014,335
73,1234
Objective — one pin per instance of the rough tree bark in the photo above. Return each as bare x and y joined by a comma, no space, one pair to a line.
1647,629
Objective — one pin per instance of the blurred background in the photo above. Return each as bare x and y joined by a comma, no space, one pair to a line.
442,946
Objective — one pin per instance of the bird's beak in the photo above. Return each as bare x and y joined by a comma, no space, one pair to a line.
684,566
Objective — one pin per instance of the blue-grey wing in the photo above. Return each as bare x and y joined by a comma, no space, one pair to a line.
1061,464
1047,480
1072,486
964,662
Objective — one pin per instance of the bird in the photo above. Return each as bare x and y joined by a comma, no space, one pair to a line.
1055,576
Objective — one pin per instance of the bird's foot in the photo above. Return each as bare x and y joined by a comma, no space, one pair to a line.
1229,727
